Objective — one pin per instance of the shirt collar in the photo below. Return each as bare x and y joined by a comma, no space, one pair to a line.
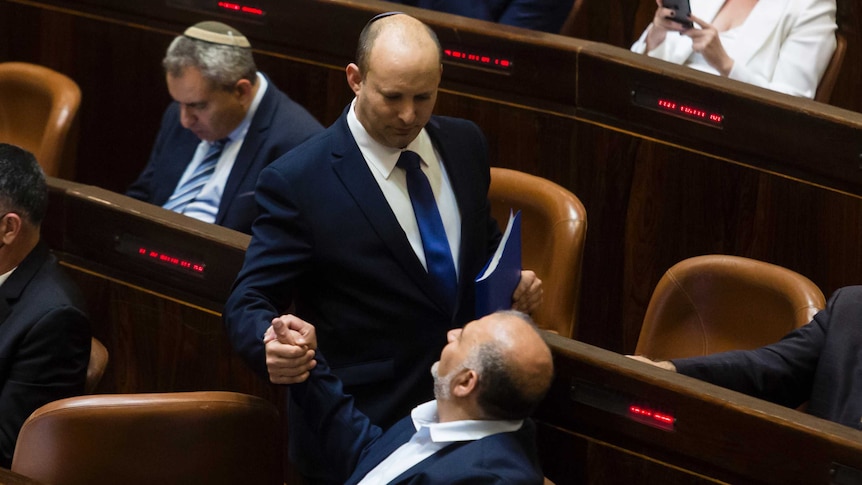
239,132
381,157
5,276
425,416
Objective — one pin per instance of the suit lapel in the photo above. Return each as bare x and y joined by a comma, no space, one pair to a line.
427,463
353,172
254,138
12,288
754,29
181,151
453,160
707,9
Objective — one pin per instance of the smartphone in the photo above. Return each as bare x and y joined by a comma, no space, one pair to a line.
682,11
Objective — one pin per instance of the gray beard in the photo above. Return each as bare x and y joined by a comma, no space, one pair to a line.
441,383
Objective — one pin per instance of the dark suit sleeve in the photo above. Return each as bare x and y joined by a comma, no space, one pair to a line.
782,373
346,433
276,256
49,364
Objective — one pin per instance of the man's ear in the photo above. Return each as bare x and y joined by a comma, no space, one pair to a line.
243,89
465,383
10,227
354,77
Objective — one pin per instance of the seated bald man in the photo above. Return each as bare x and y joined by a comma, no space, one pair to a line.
490,377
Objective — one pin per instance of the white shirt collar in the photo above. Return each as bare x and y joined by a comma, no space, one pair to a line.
239,132
383,158
5,276
425,416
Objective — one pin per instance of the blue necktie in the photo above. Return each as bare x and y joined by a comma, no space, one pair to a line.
438,256
189,190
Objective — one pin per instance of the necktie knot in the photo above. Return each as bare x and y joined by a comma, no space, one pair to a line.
408,160
219,144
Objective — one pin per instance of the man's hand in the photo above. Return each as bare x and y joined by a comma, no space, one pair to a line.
528,294
664,364
290,344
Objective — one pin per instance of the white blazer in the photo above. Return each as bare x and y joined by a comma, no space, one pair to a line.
787,43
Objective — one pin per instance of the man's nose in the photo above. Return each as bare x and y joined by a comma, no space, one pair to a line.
407,113
187,119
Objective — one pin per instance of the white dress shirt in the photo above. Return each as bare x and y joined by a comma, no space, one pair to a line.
431,437
5,276
211,193
381,161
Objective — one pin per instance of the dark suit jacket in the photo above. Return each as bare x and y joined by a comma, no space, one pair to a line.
819,363
544,15
354,446
327,241
44,343
278,125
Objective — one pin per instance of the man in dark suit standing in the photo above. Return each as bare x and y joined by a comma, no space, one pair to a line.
338,236
227,122
44,334
490,376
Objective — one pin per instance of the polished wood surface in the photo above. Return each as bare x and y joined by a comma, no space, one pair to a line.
164,336
8,477
780,181
161,324
587,434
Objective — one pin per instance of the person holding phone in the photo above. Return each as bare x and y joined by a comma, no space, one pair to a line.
783,45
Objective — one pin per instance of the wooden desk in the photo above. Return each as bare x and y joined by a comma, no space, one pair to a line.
8,477
589,432
163,329
779,181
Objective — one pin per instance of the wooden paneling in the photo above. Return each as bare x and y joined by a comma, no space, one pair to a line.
164,335
777,183
718,436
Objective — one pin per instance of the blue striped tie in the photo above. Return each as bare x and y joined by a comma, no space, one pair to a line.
189,190
438,255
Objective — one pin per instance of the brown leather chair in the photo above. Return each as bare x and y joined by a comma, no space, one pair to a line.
37,111
714,303
569,27
96,366
833,69
553,229
210,437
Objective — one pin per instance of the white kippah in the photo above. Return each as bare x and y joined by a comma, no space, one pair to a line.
217,33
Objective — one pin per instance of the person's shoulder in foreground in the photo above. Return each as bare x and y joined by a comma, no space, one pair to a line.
44,332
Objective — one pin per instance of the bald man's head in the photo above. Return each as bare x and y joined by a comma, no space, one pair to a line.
395,79
510,359
399,25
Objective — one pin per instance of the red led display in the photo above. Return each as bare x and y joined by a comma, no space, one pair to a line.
652,417
240,8
478,59
689,111
171,260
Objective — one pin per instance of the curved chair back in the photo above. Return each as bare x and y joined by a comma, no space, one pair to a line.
714,303
833,69
208,437
96,366
37,110
553,230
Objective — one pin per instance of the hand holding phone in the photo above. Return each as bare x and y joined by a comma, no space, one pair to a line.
681,11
